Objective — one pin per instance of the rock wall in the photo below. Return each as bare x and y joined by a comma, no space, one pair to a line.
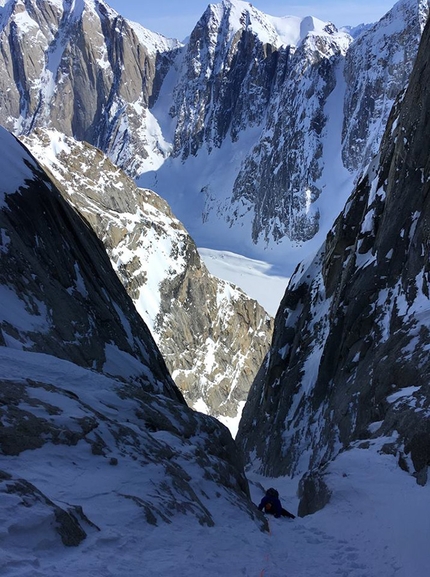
348,361
89,73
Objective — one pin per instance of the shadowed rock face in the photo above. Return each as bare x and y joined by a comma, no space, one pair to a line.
280,178
349,359
55,268
226,79
377,66
84,388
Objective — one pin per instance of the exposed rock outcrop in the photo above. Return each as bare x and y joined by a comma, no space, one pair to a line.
67,523
226,77
377,67
281,177
212,336
84,70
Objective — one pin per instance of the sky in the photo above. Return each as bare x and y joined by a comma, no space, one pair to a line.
177,19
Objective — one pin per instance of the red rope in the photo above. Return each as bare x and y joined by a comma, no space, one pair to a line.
267,556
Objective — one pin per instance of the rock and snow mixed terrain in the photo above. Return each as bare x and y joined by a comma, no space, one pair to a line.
291,109
104,469
93,430
349,360
213,337
365,531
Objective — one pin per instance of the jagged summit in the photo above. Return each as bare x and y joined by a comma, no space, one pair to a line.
232,16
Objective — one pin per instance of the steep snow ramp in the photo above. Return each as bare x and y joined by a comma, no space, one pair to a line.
94,469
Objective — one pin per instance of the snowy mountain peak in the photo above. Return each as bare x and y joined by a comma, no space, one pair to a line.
235,15
291,108
402,13
229,17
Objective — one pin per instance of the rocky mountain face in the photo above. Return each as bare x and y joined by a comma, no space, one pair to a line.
94,433
212,336
82,69
226,77
290,108
280,177
384,57
348,364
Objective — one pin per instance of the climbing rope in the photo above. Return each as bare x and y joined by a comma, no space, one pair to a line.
267,555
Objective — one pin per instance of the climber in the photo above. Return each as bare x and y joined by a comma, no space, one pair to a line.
271,504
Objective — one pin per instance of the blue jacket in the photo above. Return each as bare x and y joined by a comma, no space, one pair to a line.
271,504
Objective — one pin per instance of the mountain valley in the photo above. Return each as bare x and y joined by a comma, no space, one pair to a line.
127,162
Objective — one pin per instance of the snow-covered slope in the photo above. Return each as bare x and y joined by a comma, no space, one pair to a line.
366,530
